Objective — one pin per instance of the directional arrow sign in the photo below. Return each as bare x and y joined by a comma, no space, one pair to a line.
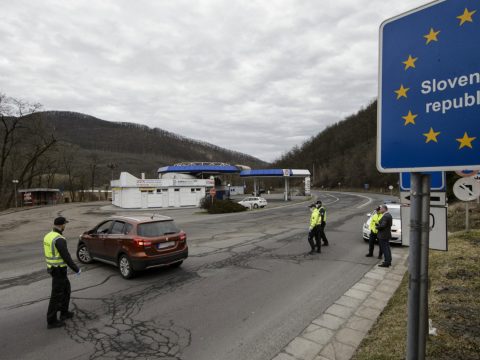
429,89
466,189
436,198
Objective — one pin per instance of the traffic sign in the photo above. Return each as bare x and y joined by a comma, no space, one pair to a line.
437,180
429,89
436,198
466,173
466,189
438,239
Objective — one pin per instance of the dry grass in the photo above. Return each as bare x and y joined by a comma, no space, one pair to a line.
454,307
456,216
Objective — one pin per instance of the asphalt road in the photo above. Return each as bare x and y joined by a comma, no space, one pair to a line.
246,290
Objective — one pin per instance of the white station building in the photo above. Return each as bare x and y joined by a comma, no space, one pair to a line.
172,190
184,184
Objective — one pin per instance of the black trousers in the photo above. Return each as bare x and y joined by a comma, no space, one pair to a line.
314,234
321,232
385,247
60,297
371,244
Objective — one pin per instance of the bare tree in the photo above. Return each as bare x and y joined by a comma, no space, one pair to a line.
25,139
93,165
67,157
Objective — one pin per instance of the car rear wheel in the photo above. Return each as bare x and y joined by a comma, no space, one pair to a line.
125,267
255,206
83,255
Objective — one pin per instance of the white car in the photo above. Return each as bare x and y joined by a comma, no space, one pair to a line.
253,202
394,210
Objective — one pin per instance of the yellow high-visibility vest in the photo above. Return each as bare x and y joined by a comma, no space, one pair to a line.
324,217
375,220
314,218
52,256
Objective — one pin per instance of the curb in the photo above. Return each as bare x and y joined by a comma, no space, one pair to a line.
338,332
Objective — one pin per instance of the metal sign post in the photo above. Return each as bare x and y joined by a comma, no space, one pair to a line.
423,285
414,266
418,266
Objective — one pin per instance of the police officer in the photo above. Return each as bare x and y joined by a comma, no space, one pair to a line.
57,258
322,221
375,219
313,229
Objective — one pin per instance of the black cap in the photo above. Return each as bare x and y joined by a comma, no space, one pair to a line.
319,202
60,221
312,205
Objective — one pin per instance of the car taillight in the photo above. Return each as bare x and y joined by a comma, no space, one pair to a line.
142,242
183,236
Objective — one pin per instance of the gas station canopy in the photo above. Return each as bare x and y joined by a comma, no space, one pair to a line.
275,173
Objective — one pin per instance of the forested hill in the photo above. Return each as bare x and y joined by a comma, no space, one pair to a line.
343,153
90,133
76,152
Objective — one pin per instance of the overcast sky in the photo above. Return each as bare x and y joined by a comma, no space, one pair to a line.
254,76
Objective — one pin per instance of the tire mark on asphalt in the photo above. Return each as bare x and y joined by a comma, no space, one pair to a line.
116,334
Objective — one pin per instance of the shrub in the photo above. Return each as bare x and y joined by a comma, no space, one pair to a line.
221,206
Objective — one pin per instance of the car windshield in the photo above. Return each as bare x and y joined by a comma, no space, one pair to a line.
159,228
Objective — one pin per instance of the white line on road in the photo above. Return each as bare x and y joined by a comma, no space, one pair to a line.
369,199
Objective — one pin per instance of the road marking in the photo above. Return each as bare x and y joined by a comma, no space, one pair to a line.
336,199
369,199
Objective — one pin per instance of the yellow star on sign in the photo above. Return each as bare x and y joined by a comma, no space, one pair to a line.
431,135
466,16
466,141
401,92
409,118
410,62
432,35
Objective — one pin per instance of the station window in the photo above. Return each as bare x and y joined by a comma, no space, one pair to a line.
192,190
177,189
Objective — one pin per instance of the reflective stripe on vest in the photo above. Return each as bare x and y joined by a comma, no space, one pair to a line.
52,256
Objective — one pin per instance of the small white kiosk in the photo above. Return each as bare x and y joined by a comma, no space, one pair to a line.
177,190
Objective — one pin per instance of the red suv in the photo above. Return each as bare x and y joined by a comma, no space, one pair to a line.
134,243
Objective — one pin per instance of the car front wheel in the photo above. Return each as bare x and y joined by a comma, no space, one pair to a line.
125,267
255,206
83,255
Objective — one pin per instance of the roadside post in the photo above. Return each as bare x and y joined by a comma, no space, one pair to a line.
467,189
428,104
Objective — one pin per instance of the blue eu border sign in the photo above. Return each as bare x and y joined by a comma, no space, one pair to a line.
429,89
